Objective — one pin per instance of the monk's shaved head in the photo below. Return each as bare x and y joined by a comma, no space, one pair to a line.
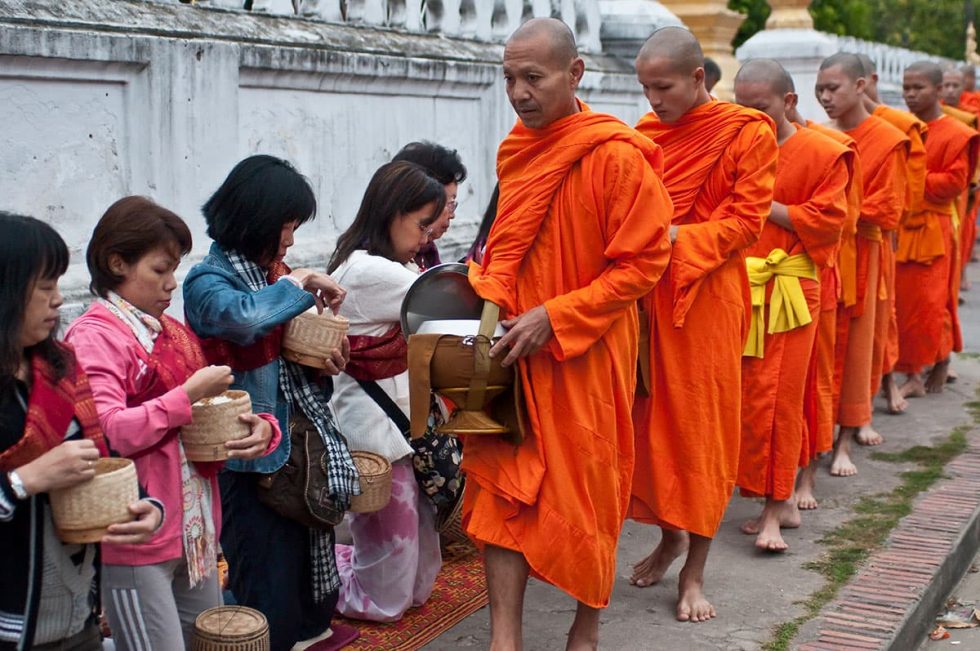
867,64
932,71
677,45
848,62
766,71
968,69
560,39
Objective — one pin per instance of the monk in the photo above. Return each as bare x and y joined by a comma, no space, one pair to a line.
969,97
581,234
926,244
720,163
952,91
886,322
882,149
838,288
799,239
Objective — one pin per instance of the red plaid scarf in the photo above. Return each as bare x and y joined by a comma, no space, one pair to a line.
375,358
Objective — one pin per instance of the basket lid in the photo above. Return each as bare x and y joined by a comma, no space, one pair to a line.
231,622
370,464
441,293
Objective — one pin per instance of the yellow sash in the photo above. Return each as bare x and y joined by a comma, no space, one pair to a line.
787,305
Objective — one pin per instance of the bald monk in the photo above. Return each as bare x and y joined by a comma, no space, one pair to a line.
927,249
720,162
952,90
886,322
882,149
799,239
838,287
580,236
969,97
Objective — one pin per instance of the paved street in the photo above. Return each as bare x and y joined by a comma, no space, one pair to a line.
753,592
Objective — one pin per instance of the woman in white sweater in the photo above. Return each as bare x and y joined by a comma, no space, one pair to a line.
393,561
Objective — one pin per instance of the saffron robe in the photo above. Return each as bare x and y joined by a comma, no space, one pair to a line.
970,101
882,149
720,164
581,229
927,250
886,321
838,287
811,181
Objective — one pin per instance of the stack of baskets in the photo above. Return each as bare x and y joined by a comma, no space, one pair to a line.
83,513
215,422
230,628
375,472
310,339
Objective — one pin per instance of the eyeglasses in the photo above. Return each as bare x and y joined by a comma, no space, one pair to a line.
425,230
451,205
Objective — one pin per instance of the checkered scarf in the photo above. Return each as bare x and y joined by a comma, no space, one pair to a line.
342,476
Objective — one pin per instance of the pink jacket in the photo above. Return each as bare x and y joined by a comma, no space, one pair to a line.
147,433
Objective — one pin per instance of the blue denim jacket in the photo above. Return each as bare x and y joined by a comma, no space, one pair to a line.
217,303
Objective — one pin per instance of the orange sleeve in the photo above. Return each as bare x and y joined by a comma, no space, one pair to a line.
915,166
738,220
636,218
818,221
884,197
944,185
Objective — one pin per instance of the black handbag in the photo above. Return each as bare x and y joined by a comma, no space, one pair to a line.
436,457
299,489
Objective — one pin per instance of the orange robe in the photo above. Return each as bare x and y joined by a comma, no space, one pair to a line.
927,249
886,321
811,181
581,229
970,101
839,289
882,149
720,164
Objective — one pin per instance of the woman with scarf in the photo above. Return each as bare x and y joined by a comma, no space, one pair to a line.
146,369
50,439
393,561
238,300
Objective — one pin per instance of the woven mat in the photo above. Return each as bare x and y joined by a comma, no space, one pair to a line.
460,590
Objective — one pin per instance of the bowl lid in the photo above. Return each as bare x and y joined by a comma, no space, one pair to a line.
443,293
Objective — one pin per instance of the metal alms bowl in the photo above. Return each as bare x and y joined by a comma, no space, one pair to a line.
441,293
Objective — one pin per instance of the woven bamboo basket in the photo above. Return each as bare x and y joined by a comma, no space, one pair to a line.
83,512
230,628
311,338
375,472
213,425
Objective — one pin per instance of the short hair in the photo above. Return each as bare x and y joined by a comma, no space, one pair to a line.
678,45
768,71
442,164
560,35
867,63
30,250
968,68
848,62
932,71
711,69
248,211
397,188
131,228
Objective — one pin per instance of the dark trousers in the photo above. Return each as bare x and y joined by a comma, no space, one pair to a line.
269,564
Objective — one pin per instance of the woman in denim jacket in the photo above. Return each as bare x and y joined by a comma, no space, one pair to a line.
237,300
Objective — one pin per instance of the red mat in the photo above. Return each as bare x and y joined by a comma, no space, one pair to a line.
460,591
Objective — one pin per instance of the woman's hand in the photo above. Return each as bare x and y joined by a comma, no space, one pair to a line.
337,362
256,443
148,518
324,289
208,382
64,466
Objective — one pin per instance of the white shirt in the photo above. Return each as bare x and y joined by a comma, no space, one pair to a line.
376,287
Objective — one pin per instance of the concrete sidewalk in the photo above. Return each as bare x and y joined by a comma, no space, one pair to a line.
752,591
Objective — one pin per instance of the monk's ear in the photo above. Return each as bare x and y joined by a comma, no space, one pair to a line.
790,100
699,76
576,71
860,84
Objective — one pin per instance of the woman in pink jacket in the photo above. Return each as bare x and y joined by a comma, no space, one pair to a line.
146,369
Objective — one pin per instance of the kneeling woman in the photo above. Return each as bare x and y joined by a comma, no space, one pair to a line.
146,370
395,555
49,439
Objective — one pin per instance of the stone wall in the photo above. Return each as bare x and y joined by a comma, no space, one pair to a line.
100,99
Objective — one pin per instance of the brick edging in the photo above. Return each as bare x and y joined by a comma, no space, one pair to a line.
892,601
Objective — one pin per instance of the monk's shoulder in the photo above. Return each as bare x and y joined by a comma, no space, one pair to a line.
887,134
901,120
818,142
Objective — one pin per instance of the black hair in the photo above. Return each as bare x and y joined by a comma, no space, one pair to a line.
30,250
441,163
489,217
397,188
711,69
261,194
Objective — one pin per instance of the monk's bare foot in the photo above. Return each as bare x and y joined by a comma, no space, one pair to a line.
841,464
651,569
691,603
951,376
806,499
584,633
866,435
913,387
936,381
769,538
890,392
786,513
750,527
